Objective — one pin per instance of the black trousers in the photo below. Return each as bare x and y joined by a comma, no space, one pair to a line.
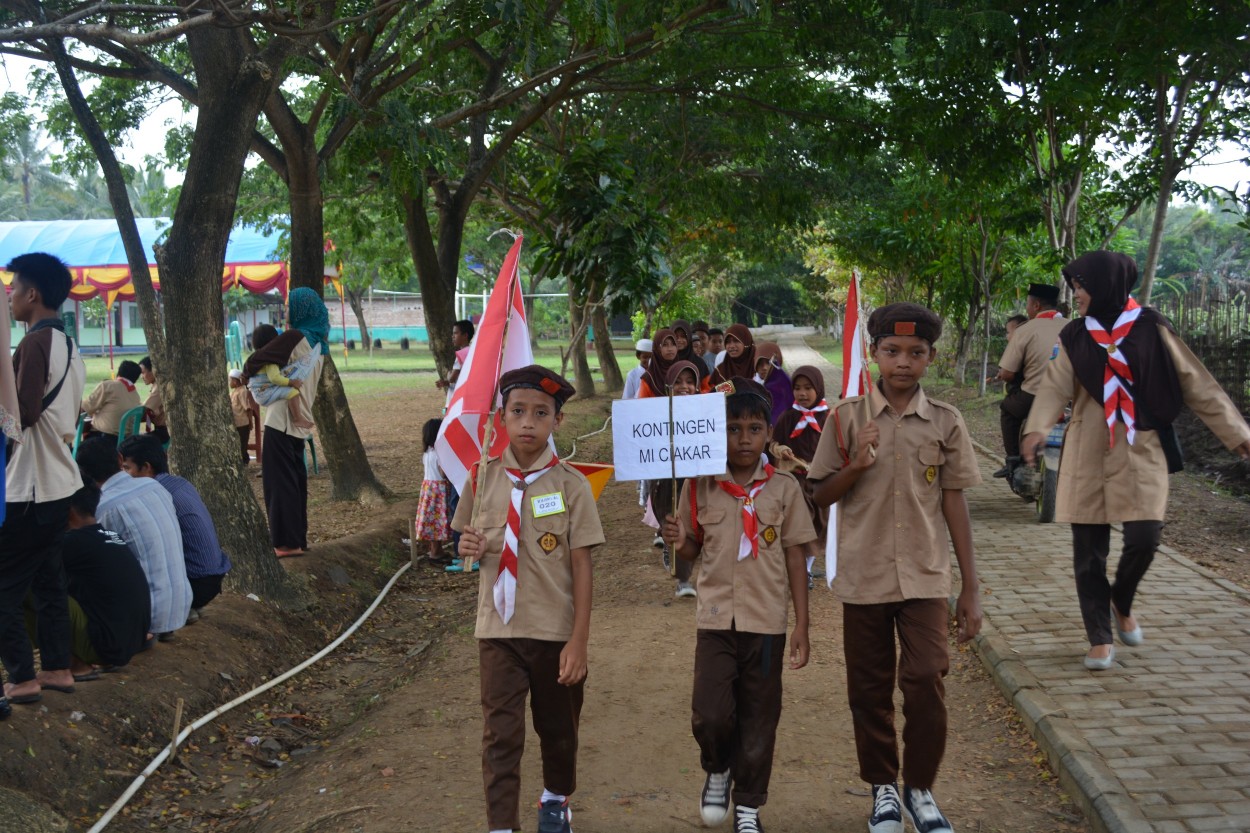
30,560
736,706
204,590
285,481
1091,543
1014,411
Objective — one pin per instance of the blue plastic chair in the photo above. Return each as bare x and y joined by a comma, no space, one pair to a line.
82,423
131,422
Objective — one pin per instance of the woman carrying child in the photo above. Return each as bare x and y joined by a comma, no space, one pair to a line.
683,378
433,522
284,476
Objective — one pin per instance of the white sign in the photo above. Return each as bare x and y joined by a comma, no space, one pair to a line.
641,442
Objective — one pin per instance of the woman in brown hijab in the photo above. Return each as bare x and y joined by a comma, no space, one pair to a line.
739,355
684,334
663,357
1126,373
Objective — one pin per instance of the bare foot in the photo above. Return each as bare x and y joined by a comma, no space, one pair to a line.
1099,651
61,678
14,690
78,667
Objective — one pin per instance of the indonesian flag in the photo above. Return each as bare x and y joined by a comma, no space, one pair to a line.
855,382
459,443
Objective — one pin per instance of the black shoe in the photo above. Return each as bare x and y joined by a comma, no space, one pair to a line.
714,803
747,820
554,817
887,812
1003,472
923,811
167,636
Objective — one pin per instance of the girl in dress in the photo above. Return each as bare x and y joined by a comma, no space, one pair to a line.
433,524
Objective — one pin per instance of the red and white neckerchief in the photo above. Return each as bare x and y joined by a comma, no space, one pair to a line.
127,384
504,589
750,544
1117,400
808,417
1050,313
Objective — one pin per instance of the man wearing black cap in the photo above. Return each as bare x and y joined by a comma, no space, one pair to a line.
1028,351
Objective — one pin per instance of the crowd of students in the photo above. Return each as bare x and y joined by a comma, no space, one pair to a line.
102,553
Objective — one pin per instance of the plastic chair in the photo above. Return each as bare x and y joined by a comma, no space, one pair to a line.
131,422
82,423
313,448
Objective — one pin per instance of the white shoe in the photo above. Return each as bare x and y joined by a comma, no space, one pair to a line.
1130,638
714,803
1100,663
685,590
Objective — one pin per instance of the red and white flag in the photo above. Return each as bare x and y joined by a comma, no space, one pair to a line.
855,382
459,443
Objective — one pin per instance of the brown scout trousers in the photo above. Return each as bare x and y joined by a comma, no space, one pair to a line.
510,669
736,707
923,660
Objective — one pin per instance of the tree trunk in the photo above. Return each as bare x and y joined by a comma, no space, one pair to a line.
234,82
351,476
437,296
584,382
1156,236
356,298
608,366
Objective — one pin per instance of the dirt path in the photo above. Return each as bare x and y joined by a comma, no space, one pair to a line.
411,761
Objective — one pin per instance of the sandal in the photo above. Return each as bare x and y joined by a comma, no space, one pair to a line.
93,674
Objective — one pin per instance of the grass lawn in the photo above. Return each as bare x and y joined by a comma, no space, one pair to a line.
827,346
388,369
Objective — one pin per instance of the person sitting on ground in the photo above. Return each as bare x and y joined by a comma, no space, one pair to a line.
111,399
110,608
1028,353
142,513
242,406
153,406
270,382
633,380
207,563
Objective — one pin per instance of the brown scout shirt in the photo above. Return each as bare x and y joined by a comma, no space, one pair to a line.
155,406
544,587
1100,483
108,403
751,595
1030,350
893,543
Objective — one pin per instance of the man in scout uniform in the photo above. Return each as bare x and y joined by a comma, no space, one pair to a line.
897,462
533,532
1029,350
752,528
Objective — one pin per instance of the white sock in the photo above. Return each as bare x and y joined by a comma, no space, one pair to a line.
508,830
811,559
548,795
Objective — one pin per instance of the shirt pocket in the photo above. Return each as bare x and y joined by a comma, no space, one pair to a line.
490,524
932,458
709,521
550,534
768,531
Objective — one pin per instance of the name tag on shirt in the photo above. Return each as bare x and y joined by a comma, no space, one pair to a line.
544,505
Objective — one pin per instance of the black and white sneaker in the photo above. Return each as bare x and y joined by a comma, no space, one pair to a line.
747,820
658,540
666,558
714,803
923,811
887,810
555,817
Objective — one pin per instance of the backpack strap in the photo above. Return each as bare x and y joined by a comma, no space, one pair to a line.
51,396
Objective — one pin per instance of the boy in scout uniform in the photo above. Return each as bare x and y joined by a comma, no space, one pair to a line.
533,533
752,528
897,462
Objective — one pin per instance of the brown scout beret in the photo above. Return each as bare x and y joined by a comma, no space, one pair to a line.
904,319
740,385
536,377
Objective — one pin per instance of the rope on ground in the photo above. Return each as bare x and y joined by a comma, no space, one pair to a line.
220,710
573,451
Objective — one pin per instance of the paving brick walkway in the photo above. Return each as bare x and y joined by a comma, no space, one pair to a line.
1161,742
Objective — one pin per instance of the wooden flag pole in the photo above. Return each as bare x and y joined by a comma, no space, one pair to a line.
672,459
489,436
